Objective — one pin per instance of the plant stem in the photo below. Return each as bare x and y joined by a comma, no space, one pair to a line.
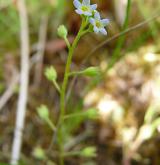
77,73
63,90
51,125
75,115
57,86
67,42
74,153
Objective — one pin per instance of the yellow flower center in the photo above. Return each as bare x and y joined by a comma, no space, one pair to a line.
85,8
98,24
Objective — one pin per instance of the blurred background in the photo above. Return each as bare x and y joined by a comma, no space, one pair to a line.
126,94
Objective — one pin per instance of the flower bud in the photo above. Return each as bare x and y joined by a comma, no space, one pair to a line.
62,31
51,73
43,112
89,152
91,71
92,113
39,153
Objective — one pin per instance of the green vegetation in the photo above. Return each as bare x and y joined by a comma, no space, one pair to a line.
91,98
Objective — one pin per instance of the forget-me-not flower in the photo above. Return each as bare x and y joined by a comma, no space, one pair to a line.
84,8
99,24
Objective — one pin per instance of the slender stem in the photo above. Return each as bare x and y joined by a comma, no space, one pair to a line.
86,31
66,75
74,153
75,115
51,125
57,86
63,90
67,42
75,73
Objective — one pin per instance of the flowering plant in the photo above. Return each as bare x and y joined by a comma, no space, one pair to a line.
91,22
89,12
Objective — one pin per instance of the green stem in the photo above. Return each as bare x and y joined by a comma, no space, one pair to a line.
63,90
67,42
74,153
75,73
57,86
75,115
67,70
51,125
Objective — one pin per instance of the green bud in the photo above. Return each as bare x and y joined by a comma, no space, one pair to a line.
92,113
62,31
39,153
43,112
91,71
51,73
89,152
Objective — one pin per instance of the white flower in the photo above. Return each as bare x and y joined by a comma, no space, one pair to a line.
84,8
99,24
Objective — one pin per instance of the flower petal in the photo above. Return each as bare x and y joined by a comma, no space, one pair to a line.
97,15
87,13
96,30
94,7
92,21
105,21
86,2
103,31
77,4
78,11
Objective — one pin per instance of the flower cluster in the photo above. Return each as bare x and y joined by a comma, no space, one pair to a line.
86,9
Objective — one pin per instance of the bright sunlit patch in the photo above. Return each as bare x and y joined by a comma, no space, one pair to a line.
158,128
109,108
106,107
92,97
145,132
150,57
103,65
128,134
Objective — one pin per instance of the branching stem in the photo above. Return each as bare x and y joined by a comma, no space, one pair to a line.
63,89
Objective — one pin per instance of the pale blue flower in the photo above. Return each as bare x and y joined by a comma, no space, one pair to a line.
99,24
84,8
